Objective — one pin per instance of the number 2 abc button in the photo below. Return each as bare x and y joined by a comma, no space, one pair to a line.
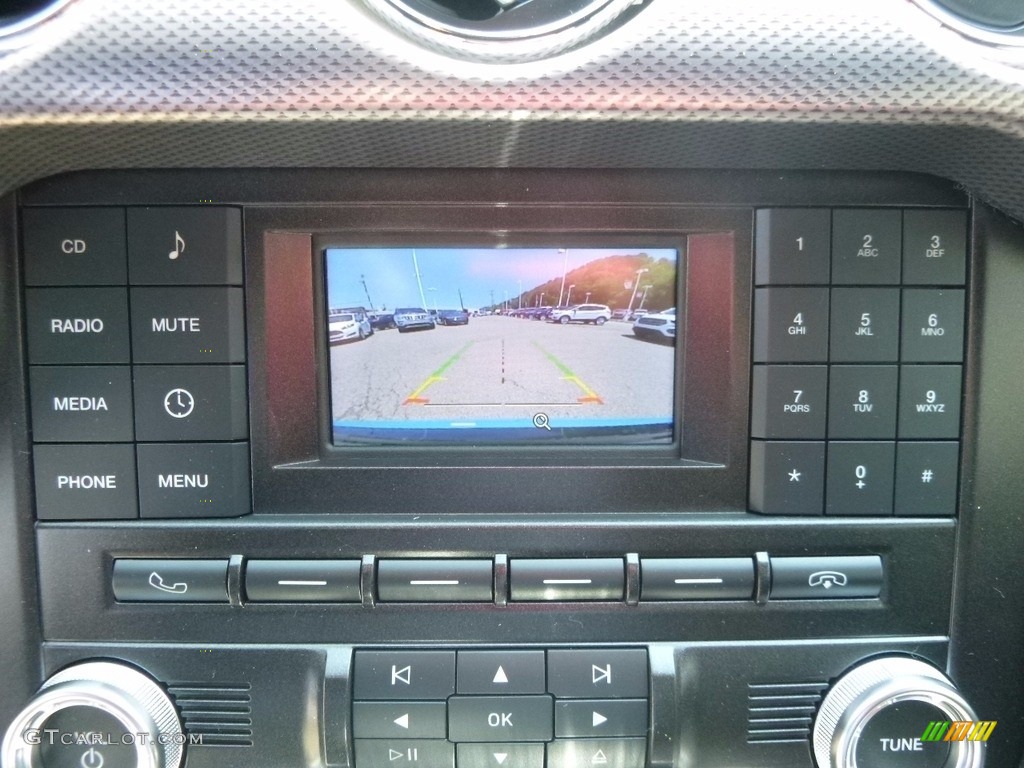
188,325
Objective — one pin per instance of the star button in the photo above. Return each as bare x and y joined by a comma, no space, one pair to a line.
794,476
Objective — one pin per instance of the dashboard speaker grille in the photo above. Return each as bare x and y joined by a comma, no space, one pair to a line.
220,713
782,713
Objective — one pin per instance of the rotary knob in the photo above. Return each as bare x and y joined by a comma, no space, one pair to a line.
97,714
878,714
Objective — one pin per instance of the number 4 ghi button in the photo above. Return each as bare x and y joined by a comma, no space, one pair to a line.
787,478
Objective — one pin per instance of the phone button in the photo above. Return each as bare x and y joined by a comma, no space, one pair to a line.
170,581
826,578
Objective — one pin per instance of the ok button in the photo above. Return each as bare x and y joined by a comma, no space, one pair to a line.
500,718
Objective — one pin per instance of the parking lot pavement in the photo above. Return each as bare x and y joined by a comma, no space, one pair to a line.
503,368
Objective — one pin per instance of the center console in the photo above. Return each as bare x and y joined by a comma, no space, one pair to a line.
513,469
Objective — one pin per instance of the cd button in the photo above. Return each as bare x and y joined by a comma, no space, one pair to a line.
81,404
597,753
188,325
567,580
185,246
598,673
302,581
697,578
194,479
404,675
178,581
196,402
85,482
442,581
77,325
74,246
501,672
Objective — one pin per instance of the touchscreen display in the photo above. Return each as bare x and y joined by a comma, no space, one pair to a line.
463,346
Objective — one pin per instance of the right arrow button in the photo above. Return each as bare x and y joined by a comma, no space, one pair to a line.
601,717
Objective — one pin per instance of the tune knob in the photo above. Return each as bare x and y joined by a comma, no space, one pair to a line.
877,713
97,714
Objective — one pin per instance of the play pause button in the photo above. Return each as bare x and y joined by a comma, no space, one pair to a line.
387,753
501,755
596,718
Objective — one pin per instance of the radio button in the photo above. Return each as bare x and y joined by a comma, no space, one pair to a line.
193,402
74,246
194,479
399,753
188,325
177,581
81,404
788,401
791,325
567,580
600,718
933,326
811,578
500,718
930,401
860,478
926,479
502,672
865,325
302,581
787,478
399,720
862,402
500,755
696,578
793,246
866,246
198,245
934,247
597,753
85,482
403,675
77,325
435,581
601,673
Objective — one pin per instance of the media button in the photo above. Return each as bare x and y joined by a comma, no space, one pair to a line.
194,479
77,325
403,675
74,246
170,581
567,580
85,482
81,404
196,245
190,402
188,325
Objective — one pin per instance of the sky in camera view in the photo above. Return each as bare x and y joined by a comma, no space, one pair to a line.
485,276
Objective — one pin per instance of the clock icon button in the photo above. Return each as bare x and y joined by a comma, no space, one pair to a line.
179,403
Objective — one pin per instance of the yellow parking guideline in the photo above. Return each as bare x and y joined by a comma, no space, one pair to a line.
414,398
590,396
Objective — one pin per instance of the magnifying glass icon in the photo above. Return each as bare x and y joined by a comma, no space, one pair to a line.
540,421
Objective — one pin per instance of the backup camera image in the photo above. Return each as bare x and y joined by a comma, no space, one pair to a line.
497,346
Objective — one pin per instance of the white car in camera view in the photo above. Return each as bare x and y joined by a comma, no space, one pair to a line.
657,326
347,326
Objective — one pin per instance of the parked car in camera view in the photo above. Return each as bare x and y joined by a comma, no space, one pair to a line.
411,318
348,327
452,317
599,314
656,326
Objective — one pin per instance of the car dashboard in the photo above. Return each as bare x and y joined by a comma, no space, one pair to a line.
538,384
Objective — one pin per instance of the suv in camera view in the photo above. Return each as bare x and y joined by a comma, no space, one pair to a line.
408,318
598,314
657,326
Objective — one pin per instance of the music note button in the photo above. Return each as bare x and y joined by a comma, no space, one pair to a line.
185,245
